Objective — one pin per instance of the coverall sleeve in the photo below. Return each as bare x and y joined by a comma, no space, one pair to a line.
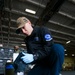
46,41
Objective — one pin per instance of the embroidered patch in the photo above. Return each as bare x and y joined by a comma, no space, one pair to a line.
48,37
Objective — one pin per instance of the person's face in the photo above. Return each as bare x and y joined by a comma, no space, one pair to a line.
26,28
16,47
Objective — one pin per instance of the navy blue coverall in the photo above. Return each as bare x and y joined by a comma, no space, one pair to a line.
48,57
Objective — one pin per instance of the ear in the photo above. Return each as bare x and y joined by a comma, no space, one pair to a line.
23,30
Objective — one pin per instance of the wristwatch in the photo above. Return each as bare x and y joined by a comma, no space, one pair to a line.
35,56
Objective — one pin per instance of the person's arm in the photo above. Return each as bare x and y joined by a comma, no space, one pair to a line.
46,41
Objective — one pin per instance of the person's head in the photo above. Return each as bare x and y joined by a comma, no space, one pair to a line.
16,47
24,25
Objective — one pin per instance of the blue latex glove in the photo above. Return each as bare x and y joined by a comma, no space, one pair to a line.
27,58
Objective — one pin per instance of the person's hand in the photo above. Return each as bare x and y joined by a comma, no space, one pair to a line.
27,58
